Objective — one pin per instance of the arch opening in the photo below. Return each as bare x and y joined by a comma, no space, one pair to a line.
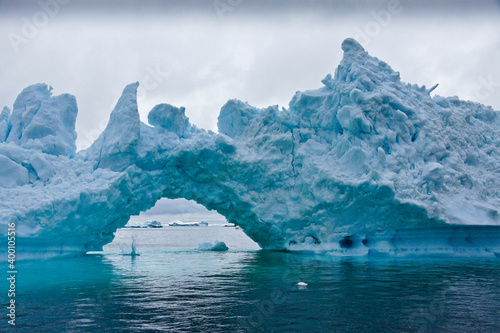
178,224
181,211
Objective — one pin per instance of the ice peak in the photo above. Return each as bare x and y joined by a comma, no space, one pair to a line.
170,118
130,89
26,106
127,102
350,44
116,147
358,69
42,121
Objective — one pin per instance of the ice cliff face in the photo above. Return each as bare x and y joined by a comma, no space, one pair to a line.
365,164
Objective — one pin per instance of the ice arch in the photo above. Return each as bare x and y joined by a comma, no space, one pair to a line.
344,169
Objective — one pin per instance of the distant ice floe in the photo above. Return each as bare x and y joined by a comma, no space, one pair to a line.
187,224
147,224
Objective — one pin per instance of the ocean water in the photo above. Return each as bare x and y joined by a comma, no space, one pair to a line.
172,287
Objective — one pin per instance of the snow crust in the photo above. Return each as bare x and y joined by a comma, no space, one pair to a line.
364,164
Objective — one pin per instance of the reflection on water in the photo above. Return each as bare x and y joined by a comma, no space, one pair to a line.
184,290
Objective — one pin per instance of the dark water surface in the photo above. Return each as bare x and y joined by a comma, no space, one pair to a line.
171,287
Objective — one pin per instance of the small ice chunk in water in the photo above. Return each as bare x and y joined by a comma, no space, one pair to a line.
217,246
302,284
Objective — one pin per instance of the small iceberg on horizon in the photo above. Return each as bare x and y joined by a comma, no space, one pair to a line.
147,224
187,224
217,246
152,224
133,225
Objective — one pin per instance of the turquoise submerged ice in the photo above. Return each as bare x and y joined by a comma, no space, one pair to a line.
365,164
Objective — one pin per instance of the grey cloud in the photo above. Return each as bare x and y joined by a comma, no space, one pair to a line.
177,206
249,7
167,210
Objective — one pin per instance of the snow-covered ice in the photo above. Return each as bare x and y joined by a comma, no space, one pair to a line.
364,164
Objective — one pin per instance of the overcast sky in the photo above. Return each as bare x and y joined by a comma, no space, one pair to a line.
199,54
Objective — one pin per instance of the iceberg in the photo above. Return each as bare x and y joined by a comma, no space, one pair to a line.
187,224
152,224
133,225
147,224
365,164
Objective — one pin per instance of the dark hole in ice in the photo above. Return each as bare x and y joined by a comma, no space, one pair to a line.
292,243
386,146
414,137
365,242
316,240
346,242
